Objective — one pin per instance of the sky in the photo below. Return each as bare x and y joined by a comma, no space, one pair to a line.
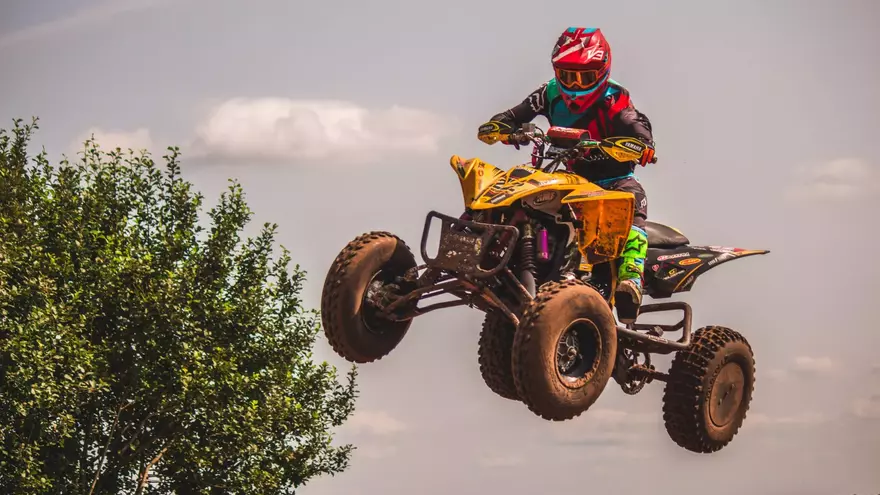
340,117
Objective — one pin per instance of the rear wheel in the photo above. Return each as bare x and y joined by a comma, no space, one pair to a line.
496,344
352,324
564,350
709,390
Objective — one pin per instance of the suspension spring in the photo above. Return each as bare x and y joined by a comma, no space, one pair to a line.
527,250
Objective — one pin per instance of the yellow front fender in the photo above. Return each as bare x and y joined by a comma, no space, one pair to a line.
474,175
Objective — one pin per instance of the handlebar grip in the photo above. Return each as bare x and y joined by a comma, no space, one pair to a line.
518,138
510,138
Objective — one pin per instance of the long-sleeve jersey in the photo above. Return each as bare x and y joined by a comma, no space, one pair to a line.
612,116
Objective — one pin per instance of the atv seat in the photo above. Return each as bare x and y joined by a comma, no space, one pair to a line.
662,236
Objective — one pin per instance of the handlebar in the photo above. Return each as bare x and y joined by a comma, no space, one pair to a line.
578,143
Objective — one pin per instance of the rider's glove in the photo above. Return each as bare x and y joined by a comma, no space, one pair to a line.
648,156
494,131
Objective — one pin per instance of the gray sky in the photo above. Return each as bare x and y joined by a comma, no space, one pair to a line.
765,119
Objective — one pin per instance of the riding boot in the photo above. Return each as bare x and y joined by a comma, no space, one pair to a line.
628,296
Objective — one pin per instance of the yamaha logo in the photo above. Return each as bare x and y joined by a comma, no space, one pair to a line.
633,146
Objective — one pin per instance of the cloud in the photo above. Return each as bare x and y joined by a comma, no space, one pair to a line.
136,140
867,408
97,13
371,451
819,365
378,430
838,180
596,438
616,417
603,427
375,423
816,365
280,129
800,420
778,375
499,460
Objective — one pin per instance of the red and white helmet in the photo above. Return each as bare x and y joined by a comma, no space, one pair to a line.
582,64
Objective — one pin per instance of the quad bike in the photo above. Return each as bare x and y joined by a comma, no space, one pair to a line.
537,250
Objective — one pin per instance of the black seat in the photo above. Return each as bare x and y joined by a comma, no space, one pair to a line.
662,236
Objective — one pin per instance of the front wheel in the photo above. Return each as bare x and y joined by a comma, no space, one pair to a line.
564,350
496,342
709,390
352,324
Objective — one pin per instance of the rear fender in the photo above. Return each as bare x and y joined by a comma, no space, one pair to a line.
670,271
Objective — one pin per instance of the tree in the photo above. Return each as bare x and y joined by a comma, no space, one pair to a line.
134,345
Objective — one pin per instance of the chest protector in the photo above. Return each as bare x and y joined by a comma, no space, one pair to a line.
597,119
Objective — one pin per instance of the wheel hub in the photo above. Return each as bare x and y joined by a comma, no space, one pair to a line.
577,352
374,293
377,295
727,394
568,352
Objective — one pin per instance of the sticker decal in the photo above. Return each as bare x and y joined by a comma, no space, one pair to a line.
544,197
722,257
689,261
688,282
672,273
672,256
725,249
633,146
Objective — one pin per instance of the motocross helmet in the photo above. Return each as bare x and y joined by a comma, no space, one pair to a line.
582,64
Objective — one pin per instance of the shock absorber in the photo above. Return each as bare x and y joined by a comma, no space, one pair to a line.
527,264
543,247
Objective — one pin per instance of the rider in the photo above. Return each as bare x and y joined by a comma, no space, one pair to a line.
583,96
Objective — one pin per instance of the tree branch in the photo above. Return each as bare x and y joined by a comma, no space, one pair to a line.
139,429
106,448
145,474
173,429
126,444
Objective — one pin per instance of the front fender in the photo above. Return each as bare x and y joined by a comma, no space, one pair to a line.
474,175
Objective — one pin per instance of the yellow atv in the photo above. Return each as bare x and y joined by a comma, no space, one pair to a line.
537,250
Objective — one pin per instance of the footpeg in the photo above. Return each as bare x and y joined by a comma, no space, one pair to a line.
656,332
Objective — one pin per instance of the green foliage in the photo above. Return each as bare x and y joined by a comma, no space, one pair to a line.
135,346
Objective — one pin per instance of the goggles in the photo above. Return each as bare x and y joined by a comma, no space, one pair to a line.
577,80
